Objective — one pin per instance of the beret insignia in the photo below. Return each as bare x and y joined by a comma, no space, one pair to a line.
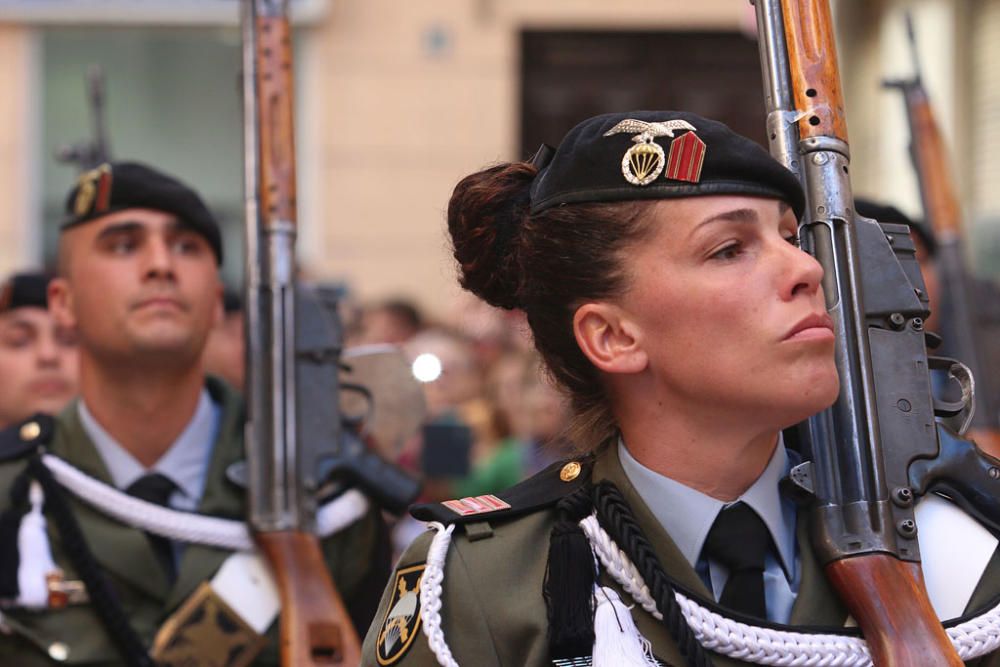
402,620
94,191
644,161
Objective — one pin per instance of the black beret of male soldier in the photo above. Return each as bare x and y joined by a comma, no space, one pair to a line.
657,155
116,186
24,289
867,208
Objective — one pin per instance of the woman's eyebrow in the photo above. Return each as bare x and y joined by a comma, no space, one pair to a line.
742,215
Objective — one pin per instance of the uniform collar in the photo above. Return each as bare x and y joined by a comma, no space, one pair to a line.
185,462
689,528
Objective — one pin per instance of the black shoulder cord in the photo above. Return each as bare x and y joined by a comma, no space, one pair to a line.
102,596
616,517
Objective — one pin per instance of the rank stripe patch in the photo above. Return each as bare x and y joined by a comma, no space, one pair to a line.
687,154
476,505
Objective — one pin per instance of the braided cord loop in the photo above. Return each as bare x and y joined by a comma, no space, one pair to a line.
615,514
769,646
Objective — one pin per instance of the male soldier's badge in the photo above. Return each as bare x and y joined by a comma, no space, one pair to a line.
643,162
94,191
402,622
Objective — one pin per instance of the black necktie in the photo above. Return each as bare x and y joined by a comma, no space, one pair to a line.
739,540
156,488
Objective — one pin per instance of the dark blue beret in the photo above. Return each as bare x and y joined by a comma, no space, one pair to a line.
116,186
25,289
658,155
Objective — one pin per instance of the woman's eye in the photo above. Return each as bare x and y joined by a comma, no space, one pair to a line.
794,240
730,251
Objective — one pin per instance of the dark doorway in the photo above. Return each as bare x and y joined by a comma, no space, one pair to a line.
570,75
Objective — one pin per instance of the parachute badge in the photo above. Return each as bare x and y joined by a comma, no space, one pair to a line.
644,162
402,621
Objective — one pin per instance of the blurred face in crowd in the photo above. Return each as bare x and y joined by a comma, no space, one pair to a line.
724,312
137,285
38,364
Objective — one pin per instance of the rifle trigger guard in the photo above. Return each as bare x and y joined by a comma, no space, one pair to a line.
956,415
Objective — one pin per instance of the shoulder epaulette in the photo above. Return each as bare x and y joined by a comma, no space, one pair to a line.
25,438
543,490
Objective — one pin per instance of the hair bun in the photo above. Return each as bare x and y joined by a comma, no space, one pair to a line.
485,216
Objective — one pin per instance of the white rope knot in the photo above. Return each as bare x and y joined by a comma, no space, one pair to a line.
767,646
430,594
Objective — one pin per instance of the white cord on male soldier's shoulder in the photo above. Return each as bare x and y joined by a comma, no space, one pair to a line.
188,526
766,646
430,594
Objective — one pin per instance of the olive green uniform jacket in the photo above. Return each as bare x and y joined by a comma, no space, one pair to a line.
130,563
493,613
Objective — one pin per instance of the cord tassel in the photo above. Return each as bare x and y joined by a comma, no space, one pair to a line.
36,561
617,641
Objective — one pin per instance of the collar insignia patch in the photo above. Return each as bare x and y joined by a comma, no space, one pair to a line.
644,162
477,505
402,622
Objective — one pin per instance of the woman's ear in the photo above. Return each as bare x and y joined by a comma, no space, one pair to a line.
608,338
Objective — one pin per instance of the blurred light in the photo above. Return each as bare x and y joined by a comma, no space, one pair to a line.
427,367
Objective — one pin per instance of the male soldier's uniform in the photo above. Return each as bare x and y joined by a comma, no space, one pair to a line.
77,623
514,585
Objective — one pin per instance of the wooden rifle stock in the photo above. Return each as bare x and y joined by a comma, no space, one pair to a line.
931,158
315,627
885,594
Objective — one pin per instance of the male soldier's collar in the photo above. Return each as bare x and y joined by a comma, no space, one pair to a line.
117,186
539,492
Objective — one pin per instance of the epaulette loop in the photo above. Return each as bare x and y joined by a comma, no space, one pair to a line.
539,492
23,439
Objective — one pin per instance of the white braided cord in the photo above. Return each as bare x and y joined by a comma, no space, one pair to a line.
188,526
430,594
767,646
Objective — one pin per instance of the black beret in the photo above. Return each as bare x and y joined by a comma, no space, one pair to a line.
868,208
658,155
25,289
116,186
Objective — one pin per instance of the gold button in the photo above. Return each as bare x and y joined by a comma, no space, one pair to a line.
30,431
58,651
570,471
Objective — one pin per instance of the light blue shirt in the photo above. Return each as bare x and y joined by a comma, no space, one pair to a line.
185,462
687,515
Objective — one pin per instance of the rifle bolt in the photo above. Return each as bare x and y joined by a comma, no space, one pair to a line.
902,496
907,527
820,158
994,473
896,320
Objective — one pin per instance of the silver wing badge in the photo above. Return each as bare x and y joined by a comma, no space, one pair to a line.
644,162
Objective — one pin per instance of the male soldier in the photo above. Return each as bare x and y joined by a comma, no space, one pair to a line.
138,280
37,357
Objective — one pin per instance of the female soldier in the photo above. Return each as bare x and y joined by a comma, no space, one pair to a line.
655,255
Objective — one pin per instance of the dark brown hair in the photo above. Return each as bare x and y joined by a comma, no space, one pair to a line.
548,265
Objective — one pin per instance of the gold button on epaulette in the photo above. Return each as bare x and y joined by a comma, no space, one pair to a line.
30,431
570,471
57,650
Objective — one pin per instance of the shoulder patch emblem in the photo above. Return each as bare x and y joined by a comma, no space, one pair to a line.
476,505
402,622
